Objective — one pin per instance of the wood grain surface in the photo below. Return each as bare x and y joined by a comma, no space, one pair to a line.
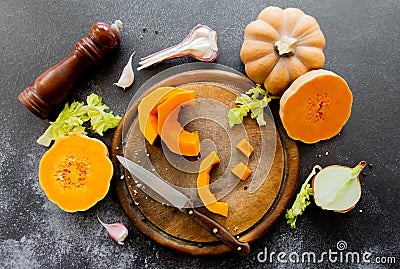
250,214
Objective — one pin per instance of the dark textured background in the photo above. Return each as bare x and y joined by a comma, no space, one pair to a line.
362,45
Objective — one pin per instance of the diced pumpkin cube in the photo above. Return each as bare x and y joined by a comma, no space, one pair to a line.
245,147
241,171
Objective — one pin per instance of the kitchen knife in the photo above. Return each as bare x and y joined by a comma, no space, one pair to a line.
183,203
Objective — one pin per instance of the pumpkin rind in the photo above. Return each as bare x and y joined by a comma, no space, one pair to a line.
316,106
75,173
259,53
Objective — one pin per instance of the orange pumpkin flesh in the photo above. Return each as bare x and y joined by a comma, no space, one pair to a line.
173,135
245,147
203,182
75,173
241,171
147,111
280,46
316,106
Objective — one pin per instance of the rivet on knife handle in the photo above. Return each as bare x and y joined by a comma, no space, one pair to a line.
216,229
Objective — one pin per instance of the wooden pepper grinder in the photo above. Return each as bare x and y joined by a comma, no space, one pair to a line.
53,86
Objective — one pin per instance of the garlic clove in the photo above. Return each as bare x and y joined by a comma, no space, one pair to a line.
117,231
127,76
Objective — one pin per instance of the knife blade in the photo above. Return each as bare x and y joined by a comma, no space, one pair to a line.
184,204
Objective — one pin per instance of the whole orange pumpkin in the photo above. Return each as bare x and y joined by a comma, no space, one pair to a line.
280,46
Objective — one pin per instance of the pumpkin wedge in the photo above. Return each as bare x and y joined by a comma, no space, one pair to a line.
316,106
147,111
171,132
203,188
75,173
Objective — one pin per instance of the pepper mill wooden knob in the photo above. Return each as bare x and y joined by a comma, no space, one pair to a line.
53,86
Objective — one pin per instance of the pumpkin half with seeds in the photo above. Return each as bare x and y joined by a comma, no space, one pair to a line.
316,106
280,46
75,173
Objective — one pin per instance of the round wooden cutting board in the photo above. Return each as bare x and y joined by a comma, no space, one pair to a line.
274,162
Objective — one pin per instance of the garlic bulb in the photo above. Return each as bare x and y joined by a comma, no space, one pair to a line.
200,43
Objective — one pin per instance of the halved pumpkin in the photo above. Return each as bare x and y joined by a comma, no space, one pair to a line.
75,173
203,188
316,106
172,133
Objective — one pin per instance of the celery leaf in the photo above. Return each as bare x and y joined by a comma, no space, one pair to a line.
302,199
100,120
72,117
254,101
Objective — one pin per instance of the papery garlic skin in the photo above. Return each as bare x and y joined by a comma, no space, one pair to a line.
127,76
117,231
200,43
203,44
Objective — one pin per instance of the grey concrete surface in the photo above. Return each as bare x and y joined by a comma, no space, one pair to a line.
362,45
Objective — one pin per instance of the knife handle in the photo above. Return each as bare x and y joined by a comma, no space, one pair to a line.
217,230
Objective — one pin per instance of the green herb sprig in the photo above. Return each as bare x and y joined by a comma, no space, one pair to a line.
254,101
72,117
302,199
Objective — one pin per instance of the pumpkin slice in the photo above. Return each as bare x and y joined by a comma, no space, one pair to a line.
174,136
75,173
316,106
203,188
241,171
147,111
245,147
